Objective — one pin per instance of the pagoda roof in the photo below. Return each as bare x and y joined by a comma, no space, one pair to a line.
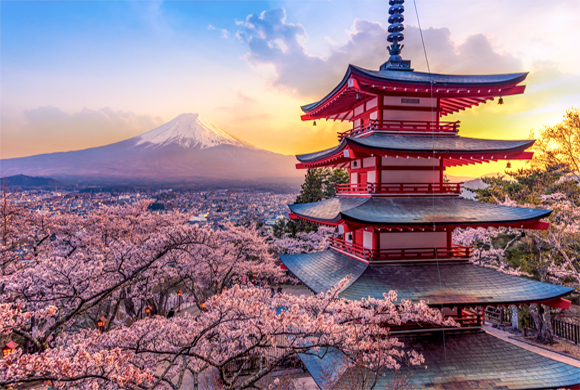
459,150
457,92
455,360
413,211
447,284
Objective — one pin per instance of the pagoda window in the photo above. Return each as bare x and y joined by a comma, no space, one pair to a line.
403,161
359,110
367,240
409,115
354,178
409,101
371,176
372,103
399,176
412,240
373,115
368,162
348,237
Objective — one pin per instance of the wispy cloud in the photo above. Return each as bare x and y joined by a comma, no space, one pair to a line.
223,32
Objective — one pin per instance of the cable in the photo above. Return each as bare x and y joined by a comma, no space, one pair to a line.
433,176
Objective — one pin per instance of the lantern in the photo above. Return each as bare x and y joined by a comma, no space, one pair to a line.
179,294
148,310
101,323
9,348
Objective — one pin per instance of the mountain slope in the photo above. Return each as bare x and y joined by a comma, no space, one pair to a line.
188,148
189,131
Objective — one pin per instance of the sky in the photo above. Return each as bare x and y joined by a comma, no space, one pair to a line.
78,74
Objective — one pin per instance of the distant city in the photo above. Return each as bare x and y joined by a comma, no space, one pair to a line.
204,208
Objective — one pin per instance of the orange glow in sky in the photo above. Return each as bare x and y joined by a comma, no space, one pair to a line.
81,74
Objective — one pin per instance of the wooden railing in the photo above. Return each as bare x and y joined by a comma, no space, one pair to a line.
455,251
399,188
466,318
563,329
469,317
407,126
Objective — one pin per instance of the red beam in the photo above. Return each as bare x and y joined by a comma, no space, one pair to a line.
558,303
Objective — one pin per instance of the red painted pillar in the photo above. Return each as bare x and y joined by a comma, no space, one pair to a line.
438,113
376,239
378,165
450,237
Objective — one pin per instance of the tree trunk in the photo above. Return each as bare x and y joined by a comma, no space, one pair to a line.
547,334
543,322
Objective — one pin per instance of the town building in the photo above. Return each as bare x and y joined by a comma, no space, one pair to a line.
396,217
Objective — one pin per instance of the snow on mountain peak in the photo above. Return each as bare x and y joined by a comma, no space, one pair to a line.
189,130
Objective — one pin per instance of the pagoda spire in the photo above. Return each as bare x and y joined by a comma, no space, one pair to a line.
396,36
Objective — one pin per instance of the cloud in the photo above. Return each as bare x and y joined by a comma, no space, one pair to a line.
49,129
224,33
273,42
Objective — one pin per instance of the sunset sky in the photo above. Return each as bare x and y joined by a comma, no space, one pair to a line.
81,74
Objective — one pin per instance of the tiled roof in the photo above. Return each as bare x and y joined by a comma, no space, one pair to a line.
443,79
443,284
458,361
414,211
441,144
422,78
320,271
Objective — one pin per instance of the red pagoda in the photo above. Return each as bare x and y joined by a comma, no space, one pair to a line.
396,217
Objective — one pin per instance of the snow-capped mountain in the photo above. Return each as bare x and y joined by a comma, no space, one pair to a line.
188,148
189,130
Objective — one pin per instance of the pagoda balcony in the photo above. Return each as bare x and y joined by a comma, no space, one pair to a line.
420,127
397,189
394,255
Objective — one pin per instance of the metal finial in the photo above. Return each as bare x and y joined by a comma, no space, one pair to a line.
395,29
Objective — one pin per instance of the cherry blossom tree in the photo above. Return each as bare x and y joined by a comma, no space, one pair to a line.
240,325
303,242
487,253
115,261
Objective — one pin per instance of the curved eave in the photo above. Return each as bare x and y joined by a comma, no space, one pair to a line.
418,213
455,91
367,146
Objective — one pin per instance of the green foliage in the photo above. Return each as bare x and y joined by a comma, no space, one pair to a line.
320,183
560,144
525,186
289,226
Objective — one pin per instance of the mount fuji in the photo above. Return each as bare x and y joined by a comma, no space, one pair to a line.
187,149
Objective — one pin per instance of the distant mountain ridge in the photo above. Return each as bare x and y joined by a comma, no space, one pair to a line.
189,148
24,181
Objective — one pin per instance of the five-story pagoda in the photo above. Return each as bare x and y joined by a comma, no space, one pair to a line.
396,218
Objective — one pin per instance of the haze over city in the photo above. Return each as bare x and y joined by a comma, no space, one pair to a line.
82,74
